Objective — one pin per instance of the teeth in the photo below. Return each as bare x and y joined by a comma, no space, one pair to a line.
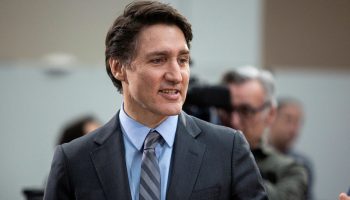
169,91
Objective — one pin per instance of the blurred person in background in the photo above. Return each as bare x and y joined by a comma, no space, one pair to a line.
77,128
286,129
73,129
253,111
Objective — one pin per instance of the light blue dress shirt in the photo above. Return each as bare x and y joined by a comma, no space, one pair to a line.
134,135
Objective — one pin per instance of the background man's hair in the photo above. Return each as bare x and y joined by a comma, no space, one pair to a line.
247,73
285,101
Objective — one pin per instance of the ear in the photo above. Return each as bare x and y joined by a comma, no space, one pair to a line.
117,69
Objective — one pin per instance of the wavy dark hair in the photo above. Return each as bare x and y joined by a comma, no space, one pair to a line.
122,35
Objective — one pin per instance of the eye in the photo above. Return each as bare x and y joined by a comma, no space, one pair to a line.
184,60
158,60
246,110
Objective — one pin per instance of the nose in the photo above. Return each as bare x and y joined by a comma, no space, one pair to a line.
173,73
235,120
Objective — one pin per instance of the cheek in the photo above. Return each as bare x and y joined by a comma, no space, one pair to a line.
185,73
145,80
257,125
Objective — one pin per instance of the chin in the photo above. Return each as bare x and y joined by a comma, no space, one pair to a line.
170,110
173,112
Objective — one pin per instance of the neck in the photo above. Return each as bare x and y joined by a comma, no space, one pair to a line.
282,150
253,145
277,147
146,118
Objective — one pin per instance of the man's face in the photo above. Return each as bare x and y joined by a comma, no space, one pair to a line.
156,81
286,127
251,113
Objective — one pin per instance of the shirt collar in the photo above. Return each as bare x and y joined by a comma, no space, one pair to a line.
137,132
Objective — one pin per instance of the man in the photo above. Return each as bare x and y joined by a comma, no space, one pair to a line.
286,127
77,128
285,130
253,110
151,149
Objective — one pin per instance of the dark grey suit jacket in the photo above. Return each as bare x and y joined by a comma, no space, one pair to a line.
208,162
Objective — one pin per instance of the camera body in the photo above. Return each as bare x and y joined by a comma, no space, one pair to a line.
201,98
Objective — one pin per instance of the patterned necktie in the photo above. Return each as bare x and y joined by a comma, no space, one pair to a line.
150,173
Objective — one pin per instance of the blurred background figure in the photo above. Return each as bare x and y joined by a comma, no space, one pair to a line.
73,129
285,130
253,109
286,127
78,128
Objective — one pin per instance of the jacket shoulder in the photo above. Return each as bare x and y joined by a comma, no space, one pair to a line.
214,131
207,126
87,143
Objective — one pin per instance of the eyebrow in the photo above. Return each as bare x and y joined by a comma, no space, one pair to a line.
155,53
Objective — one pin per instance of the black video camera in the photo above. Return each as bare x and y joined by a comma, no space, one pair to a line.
200,98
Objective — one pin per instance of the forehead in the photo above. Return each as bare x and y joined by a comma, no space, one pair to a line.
250,92
161,37
291,109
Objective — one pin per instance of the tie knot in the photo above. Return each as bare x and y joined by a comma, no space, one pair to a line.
151,140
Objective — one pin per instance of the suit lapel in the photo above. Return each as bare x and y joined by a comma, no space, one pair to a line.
109,161
187,158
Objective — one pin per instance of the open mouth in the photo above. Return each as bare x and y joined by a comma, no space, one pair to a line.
169,91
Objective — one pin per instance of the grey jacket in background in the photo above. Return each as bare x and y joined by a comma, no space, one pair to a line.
284,178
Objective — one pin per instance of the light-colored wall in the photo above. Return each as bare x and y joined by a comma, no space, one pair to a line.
34,107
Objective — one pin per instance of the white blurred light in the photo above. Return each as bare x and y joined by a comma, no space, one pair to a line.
59,59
